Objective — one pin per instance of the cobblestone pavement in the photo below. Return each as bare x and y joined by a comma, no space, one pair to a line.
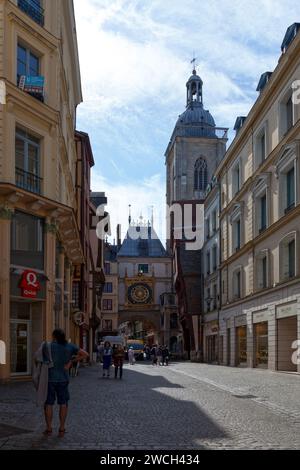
183,406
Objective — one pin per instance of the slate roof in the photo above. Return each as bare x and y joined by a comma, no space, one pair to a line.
142,242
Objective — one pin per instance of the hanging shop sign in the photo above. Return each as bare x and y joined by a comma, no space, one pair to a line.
29,284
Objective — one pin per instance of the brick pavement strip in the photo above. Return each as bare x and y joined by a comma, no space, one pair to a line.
183,406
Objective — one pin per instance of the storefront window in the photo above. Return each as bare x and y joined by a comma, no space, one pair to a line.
241,342
261,344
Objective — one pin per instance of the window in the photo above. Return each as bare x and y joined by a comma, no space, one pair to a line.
208,262
237,276
214,296
287,257
214,221
289,113
200,175
237,235
261,146
236,178
264,272
286,113
236,218
143,268
290,189
27,240
107,325
261,279
214,258
107,268
207,228
288,178
108,288
173,321
263,213
107,304
27,63
34,9
27,161
75,295
291,257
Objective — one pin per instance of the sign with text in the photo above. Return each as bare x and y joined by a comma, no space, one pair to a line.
29,284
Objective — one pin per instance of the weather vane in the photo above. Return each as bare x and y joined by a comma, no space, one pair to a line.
193,61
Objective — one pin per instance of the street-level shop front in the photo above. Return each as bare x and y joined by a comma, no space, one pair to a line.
264,337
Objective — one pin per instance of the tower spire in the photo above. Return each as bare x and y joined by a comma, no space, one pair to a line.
194,87
129,217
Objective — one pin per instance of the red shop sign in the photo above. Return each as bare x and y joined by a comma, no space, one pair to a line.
29,284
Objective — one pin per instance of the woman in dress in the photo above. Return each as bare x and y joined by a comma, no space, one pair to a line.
107,355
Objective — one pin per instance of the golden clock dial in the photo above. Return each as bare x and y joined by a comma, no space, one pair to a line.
139,294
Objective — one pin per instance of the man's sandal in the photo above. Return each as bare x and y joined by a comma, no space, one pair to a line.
47,432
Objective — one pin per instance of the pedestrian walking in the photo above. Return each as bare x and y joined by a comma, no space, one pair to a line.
100,348
118,358
165,356
131,357
154,355
159,355
107,357
51,376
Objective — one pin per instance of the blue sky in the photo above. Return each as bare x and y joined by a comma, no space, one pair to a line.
135,60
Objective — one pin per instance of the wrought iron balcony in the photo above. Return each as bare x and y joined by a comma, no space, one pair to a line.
28,181
33,9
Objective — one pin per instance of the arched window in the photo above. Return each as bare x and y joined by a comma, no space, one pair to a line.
201,176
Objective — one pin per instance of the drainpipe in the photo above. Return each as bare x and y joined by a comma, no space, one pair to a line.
219,273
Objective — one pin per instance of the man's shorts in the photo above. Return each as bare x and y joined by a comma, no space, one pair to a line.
59,391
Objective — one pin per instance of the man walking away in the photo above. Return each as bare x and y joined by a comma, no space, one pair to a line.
159,355
165,356
58,378
154,355
118,358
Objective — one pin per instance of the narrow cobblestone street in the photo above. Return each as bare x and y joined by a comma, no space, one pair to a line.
184,406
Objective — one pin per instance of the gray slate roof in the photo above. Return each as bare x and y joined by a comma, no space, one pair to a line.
142,242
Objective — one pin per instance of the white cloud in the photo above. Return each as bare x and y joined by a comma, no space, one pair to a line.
142,195
134,64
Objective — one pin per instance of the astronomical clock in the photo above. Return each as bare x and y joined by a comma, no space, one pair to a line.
139,292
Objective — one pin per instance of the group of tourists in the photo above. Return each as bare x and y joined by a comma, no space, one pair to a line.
160,355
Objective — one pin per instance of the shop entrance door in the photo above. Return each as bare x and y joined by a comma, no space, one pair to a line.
261,344
20,347
241,346
228,346
286,335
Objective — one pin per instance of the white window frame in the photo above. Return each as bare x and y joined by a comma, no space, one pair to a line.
258,267
288,158
260,188
236,215
235,296
257,146
282,118
236,187
283,245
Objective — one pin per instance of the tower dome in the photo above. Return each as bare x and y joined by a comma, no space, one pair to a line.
195,121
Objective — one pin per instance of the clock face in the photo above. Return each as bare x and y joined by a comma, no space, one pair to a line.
139,293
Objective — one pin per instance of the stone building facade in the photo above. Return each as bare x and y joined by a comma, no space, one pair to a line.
259,178
39,234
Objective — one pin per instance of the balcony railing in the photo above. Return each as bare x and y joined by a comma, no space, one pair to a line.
33,9
28,181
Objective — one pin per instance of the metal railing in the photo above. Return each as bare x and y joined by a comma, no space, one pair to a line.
33,9
28,181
